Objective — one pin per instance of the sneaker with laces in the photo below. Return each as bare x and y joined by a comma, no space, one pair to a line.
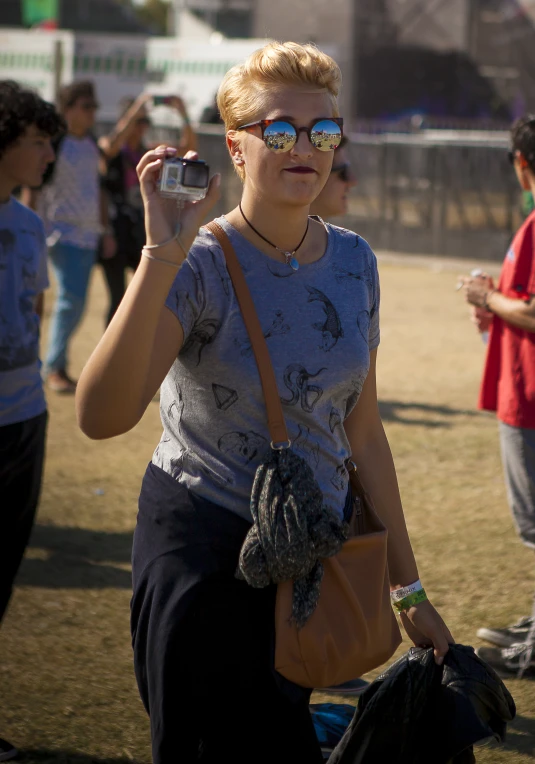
7,751
518,660
509,635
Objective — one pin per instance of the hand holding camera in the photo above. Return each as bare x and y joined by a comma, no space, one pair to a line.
166,179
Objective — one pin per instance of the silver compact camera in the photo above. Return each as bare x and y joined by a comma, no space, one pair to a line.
185,180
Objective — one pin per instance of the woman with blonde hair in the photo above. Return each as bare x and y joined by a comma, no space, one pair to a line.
202,637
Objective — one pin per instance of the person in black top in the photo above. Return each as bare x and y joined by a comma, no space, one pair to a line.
122,150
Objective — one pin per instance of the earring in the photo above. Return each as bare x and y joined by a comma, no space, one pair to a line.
238,160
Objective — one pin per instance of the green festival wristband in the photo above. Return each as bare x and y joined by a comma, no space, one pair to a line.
412,599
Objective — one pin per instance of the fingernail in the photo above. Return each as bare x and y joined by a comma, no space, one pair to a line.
217,180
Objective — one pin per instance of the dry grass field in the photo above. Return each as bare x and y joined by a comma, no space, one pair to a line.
67,687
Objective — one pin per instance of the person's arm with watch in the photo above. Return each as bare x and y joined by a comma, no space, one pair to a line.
143,339
479,291
371,453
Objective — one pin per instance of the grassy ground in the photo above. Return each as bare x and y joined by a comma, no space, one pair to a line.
67,686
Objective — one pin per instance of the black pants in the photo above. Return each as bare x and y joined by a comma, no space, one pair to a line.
129,230
22,450
203,640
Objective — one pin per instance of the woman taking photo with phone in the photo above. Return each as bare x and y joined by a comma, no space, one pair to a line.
197,628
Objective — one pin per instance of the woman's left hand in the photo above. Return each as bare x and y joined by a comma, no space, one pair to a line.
426,628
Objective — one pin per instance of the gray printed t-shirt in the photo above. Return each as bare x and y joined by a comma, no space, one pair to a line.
320,323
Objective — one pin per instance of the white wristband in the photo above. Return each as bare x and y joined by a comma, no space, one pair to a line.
399,594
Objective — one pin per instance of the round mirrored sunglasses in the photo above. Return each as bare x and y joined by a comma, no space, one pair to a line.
280,136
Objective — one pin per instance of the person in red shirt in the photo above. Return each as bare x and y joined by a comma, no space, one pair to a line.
507,312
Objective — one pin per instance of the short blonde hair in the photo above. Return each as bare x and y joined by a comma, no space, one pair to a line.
242,93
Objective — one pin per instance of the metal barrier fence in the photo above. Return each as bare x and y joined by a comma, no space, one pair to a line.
436,192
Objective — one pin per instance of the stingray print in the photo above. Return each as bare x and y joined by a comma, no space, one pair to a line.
296,380
341,274
335,419
309,448
245,445
221,271
277,328
339,477
202,334
331,330
224,397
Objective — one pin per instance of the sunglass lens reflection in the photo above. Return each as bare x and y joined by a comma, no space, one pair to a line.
326,135
280,136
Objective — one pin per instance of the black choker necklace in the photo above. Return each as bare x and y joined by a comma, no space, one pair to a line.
288,256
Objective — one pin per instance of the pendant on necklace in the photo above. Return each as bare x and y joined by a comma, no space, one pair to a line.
291,261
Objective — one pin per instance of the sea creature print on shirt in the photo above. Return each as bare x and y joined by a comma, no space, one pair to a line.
221,271
308,447
341,274
339,478
247,446
202,334
175,410
331,329
296,379
335,419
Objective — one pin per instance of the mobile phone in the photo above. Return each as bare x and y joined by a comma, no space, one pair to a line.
161,100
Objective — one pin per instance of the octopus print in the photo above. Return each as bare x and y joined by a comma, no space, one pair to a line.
296,379
331,329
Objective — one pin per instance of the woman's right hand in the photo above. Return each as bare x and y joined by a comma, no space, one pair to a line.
162,215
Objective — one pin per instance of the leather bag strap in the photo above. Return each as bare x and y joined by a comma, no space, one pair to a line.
275,416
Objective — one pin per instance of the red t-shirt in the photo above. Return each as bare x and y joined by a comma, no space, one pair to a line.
508,385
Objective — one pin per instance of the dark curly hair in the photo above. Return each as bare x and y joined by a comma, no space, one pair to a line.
523,138
20,108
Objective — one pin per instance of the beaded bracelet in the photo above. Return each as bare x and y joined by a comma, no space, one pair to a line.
412,599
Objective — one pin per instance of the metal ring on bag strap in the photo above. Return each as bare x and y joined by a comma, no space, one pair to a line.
282,446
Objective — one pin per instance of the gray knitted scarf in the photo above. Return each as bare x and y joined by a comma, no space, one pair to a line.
293,530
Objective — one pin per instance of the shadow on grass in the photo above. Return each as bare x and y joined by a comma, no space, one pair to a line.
520,737
404,413
77,558
66,757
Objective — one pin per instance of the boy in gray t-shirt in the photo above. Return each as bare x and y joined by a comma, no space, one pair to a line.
27,124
